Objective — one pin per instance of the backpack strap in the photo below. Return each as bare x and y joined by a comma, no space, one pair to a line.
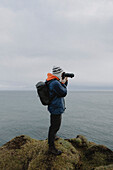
47,83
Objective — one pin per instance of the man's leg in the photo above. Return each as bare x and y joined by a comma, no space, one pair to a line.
55,122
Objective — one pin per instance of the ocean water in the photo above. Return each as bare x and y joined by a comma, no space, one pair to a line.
87,113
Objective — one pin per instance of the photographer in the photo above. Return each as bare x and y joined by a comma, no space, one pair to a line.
57,91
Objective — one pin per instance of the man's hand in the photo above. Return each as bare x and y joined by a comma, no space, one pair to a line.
64,80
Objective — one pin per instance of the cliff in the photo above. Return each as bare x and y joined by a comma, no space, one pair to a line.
25,153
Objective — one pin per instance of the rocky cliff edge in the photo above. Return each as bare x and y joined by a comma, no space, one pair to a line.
25,153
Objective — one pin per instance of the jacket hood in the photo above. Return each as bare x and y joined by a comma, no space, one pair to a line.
51,76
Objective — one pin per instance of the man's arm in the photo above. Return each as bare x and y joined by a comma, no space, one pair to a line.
60,89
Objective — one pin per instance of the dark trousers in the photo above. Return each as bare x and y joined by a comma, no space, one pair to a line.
55,122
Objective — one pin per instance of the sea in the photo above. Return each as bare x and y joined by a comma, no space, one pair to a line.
88,113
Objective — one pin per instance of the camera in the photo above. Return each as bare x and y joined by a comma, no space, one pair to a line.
67,75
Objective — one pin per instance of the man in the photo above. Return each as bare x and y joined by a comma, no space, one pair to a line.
57,91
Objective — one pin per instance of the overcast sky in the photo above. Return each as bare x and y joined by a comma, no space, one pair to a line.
36,35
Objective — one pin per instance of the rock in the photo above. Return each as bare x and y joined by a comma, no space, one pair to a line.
16,143
109,167
25,153
79,141
99,149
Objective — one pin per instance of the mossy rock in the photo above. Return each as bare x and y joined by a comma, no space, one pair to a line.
97,155
79,141
25,153
96,150
109,167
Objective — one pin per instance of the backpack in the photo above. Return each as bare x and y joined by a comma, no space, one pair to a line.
43,92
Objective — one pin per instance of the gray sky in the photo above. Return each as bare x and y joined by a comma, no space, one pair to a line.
35,35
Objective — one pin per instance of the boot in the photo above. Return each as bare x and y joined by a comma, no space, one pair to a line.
54,151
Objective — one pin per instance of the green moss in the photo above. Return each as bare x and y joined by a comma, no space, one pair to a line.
79,141
109,167
26,153
66,160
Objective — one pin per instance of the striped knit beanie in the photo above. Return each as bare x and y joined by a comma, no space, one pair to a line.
57,71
